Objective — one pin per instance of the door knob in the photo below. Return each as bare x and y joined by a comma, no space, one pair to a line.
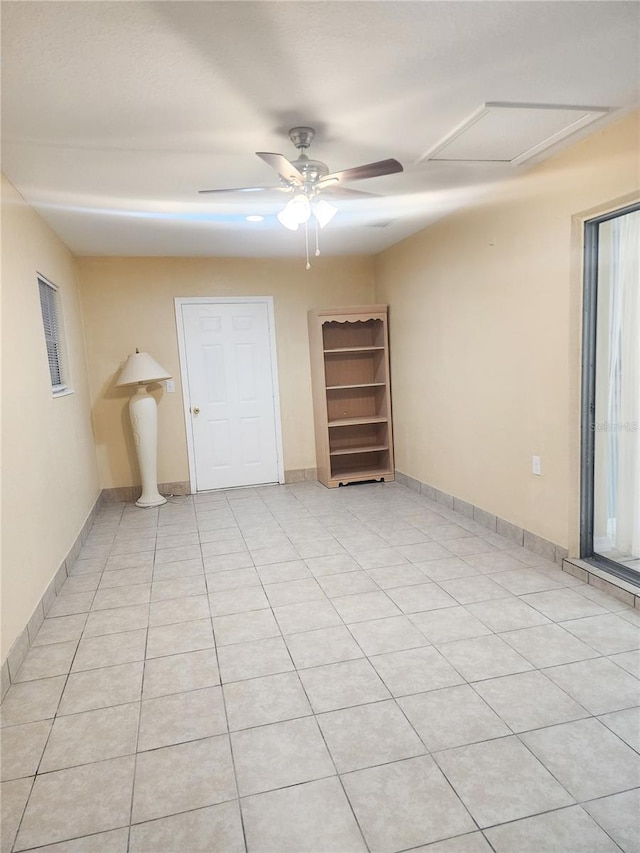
196,410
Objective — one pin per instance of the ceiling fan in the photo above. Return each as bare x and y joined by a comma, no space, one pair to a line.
306,179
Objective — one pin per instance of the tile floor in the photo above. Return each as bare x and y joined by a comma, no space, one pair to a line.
291,668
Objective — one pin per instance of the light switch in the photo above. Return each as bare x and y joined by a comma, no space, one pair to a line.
170,386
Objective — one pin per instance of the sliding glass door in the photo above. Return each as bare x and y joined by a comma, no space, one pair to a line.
611,394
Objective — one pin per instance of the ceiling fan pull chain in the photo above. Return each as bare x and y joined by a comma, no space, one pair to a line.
306,243
317,243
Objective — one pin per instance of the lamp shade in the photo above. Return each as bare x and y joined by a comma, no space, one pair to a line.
141,369
324,212
296,212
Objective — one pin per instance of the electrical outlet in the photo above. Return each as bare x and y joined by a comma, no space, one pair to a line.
536,465
170,386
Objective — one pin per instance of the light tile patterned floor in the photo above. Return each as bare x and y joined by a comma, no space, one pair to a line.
291,668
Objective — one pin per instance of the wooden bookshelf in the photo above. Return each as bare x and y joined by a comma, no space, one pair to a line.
351,394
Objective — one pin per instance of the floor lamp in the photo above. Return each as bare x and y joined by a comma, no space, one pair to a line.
141,370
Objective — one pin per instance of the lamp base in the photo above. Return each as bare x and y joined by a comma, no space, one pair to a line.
144,423
145,501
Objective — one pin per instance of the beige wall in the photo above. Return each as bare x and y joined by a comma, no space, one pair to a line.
49,474
128,303
484,328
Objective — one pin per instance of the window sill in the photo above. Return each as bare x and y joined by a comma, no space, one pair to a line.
62,392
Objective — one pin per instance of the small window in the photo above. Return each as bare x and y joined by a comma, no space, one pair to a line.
52,322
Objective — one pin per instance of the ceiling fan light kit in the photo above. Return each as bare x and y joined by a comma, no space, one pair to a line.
307,178
299,210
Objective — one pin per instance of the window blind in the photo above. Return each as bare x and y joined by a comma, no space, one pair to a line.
52,332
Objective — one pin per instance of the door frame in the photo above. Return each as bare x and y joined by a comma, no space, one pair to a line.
591,227
179,301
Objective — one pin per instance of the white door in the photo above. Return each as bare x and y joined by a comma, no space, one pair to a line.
227,349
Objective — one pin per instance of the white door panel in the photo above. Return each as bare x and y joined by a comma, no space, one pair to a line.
230,379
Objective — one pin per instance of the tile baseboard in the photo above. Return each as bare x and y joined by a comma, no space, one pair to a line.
23,642
598,578
300,475
129,494
518,535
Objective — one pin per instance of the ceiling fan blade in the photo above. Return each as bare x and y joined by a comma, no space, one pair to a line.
248,190
282,166
358,173
344,192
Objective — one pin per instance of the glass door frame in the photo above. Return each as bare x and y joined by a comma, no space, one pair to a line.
588,396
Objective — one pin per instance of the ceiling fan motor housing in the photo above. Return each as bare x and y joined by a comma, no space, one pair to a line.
302,137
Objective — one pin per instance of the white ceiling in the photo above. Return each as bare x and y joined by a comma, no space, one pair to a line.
116,113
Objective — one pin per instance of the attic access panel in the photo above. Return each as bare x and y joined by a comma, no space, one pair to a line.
511,133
